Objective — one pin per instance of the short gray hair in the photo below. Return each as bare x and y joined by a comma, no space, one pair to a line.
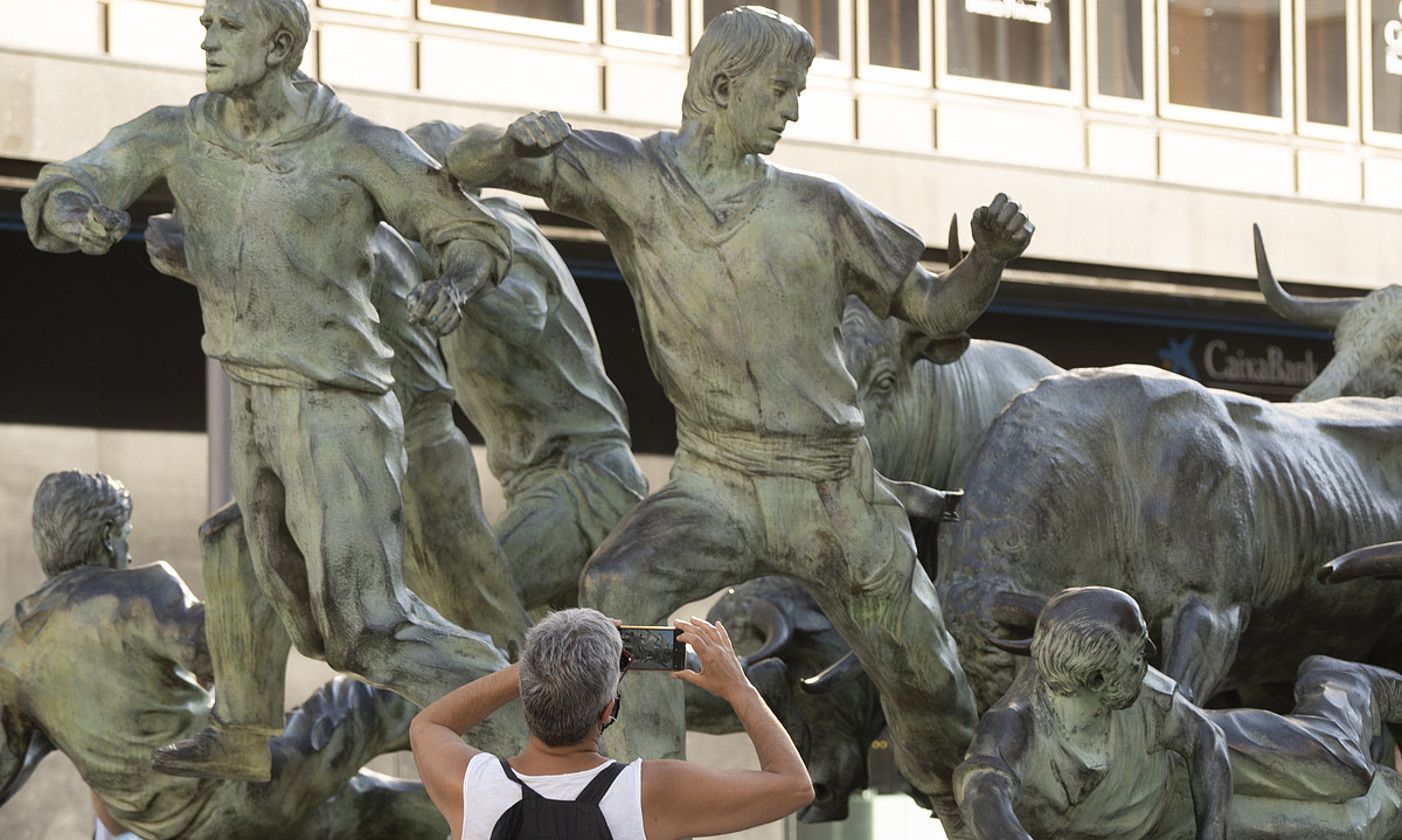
72,511
737,42
288,16
569,672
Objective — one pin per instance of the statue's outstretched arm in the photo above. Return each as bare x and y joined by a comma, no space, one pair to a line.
516,157
1188,731
946,305
22,745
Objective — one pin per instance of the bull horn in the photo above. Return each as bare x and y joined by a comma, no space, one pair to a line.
1017,647
1014,609
775,626
830,676
1376,561
1312,312
953,253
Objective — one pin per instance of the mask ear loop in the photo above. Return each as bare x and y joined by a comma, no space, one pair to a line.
625,660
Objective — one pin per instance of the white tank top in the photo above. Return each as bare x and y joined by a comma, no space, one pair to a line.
487,794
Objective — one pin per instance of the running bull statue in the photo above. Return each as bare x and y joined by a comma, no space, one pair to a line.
1211,508
831,717
1367,335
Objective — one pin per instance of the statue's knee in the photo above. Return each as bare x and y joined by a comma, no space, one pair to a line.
361,644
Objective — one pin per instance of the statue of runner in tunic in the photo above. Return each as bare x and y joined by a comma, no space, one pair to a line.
739,271
528,373
106,663
1090,742
280,189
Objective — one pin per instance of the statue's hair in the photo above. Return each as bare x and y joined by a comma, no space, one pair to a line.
737,42
569,673
72,511
1070,649
290,16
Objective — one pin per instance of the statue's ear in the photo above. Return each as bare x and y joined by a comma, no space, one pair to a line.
280,48
1096,681
720,90
941,351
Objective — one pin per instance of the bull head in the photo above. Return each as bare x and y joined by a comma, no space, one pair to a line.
1367,339
834,717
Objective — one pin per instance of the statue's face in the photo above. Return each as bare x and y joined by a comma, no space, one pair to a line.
763,102
236,46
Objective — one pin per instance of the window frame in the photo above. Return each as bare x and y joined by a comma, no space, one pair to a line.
1148,33
1371,135
923,75
1076,43
1283,124
834,68
586,32
674,44
382,8
1326,131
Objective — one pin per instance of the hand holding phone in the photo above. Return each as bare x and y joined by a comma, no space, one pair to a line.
721,673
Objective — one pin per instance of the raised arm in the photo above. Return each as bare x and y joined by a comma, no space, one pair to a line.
436,733
682,799
178,632
80,205
1188,731
470,248
514,158
986,783
945,305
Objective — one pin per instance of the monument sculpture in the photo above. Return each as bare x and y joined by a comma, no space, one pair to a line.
530,377
1367,341
107,663
739,270
1089,741
1211,508
451,557
1381,561
280,188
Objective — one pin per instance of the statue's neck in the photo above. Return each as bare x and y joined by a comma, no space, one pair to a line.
712,155
265,109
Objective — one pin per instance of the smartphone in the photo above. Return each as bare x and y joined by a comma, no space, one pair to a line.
654,648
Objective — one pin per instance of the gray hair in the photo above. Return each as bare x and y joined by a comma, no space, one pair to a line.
569,673
288,16
72,511
1069,650
737,42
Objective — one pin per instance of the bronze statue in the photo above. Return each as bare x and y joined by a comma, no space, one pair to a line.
1091,742
739,270
107,663
280,189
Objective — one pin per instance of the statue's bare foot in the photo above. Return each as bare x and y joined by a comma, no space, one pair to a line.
236,752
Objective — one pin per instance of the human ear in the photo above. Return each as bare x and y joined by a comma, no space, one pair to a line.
720,89
280,48
1096,681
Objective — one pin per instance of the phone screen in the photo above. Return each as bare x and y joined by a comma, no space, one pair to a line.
654,648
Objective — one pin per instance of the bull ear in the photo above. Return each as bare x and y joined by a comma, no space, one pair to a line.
941,351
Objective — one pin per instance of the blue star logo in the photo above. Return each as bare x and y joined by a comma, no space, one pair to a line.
1178,357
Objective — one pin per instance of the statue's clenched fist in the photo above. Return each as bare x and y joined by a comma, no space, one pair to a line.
1002,229
101,228
536,133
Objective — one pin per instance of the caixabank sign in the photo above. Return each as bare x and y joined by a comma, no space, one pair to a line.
1262,356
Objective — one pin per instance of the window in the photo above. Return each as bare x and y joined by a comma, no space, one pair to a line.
1227,55
1384,42
1024,42
822,19
1119,50
573,19
650,17
565,11
1326,47
893,33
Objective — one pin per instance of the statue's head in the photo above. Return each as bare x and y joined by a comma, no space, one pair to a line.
245,40
1092,640
81,519
747,71
570,667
